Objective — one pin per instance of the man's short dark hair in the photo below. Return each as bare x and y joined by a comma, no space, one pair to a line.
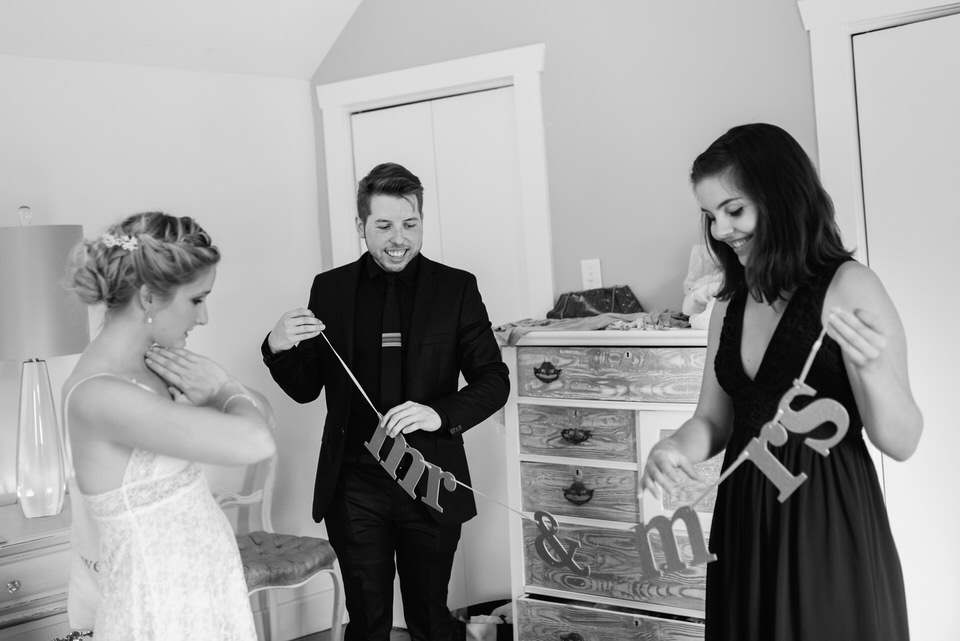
388,179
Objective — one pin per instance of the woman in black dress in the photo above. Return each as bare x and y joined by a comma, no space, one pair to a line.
821,565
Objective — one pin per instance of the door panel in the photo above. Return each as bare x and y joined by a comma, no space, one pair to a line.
479,177
402,135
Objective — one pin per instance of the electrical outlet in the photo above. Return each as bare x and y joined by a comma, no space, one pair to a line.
590,273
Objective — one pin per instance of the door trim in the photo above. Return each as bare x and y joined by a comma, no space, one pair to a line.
520,67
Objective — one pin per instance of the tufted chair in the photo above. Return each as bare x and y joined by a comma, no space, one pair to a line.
272,560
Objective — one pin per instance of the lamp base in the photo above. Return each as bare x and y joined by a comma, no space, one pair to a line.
40,478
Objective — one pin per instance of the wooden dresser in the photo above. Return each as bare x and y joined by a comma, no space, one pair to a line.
34,572
584,411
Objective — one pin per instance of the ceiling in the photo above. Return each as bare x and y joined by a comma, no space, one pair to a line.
284,38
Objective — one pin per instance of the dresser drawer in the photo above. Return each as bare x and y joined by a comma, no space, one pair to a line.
27,576
49,625
548,621
606,434
646,374
613,558
580,491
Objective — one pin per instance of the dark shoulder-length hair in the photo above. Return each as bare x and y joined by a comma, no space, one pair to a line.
796,234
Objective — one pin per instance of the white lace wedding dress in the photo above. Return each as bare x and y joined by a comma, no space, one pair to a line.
169,566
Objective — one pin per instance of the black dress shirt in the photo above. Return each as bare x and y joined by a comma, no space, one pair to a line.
371,292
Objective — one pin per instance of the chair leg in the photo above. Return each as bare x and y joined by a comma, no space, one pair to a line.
270,623
267,617
336,626
274,632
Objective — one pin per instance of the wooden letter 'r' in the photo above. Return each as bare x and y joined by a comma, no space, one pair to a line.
774,434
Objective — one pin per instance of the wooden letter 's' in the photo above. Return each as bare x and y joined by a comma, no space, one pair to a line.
824,410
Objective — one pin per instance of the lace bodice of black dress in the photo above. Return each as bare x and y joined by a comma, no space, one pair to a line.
822,565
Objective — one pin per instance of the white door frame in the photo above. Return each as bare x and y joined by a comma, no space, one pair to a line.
521,68
832,25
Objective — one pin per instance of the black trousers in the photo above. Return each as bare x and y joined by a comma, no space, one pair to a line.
377,531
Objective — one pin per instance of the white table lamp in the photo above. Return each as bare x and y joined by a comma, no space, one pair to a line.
39,319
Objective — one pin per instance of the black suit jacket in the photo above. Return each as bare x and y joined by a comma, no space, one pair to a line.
450,334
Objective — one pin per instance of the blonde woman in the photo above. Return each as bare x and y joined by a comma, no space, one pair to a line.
140,411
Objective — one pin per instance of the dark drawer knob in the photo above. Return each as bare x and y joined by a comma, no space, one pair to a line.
571,636
575,435
578,493
13,586
547,372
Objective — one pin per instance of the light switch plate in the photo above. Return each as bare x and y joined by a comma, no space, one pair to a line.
590,273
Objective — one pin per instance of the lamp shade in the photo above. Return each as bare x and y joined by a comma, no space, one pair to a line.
39,318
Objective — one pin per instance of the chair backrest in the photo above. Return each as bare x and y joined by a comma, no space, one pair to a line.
256,496
277,560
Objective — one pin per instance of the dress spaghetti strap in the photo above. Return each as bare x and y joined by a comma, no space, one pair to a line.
68,454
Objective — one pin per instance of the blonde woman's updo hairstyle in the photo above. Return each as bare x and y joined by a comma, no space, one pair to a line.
154,249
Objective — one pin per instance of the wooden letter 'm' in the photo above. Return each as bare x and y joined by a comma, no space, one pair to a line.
668,541
398,450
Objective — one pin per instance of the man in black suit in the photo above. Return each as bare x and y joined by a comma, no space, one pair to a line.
407,327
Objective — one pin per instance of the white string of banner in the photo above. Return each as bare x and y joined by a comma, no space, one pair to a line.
745,454
556,552
380,418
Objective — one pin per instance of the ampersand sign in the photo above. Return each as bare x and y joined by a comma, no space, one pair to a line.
557,554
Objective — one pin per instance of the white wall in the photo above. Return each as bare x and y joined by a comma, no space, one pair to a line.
90,143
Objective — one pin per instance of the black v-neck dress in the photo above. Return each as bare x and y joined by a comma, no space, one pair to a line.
821,566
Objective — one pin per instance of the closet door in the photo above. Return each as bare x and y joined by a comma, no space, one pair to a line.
908,101
464,150
481,214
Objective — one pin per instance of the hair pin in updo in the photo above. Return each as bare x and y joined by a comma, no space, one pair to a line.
128,243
